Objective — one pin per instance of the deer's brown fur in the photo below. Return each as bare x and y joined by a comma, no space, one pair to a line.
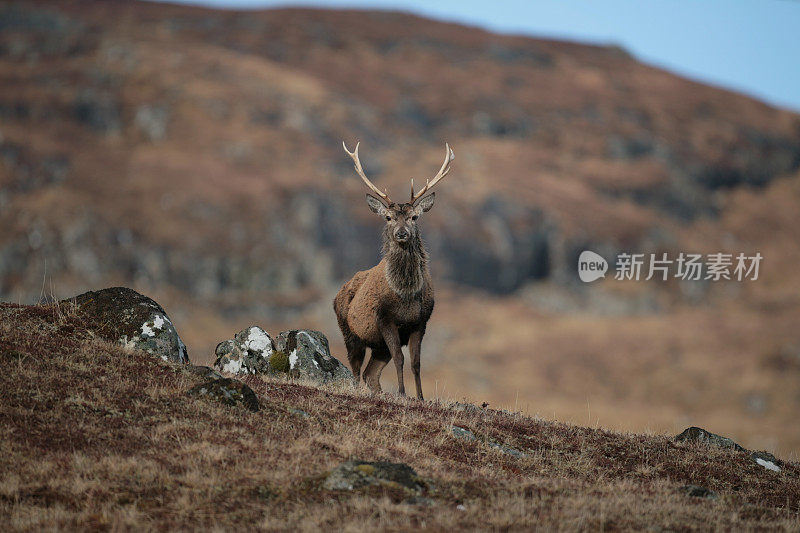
388,306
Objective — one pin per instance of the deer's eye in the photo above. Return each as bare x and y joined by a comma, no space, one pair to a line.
388,218
415,217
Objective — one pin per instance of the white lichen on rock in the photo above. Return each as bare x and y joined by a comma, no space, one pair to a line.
258,341
149,326
769,465
233,366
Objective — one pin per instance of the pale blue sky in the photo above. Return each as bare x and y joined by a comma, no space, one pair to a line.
751,46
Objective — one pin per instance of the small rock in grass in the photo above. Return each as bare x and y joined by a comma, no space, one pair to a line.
767,460
353,475
227,391
462,433
696,434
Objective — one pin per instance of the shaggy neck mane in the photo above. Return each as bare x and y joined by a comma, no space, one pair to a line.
405,265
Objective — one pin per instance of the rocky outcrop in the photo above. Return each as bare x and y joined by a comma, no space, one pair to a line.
297,353
227,391
353,475
120,314
310,357
696,434
249,352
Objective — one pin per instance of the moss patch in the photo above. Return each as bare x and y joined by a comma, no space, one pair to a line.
366,469
279,361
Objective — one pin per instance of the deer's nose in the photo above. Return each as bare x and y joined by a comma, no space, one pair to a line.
401,234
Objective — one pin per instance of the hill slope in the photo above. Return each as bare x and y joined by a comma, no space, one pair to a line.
196,155
97,436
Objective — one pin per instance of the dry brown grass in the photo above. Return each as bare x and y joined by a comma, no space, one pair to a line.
96,437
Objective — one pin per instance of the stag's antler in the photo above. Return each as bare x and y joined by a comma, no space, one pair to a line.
448,158
357,164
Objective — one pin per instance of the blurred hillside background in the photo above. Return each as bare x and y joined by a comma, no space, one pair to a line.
195,155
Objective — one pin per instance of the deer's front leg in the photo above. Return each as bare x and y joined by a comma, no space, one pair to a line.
414,347
392,338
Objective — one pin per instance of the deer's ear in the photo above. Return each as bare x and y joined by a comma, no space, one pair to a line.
426,203
375,205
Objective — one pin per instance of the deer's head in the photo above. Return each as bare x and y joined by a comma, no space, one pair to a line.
401,218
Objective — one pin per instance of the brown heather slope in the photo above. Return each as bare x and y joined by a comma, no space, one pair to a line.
94,436
195,155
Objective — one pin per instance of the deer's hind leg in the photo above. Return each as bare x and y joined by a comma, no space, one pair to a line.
355,355
378,360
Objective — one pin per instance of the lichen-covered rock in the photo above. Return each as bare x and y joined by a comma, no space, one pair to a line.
298,412
248,352
353,475
767,460
462,433
299,353
696,434
310,357
120,314
228,391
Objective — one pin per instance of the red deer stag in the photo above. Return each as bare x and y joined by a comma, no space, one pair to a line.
388,306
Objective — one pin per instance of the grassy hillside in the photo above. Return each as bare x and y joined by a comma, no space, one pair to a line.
195,155
94,436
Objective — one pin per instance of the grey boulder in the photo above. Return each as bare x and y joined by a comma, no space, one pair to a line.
353,475
248,352
310,357
120,314
696,434
227,391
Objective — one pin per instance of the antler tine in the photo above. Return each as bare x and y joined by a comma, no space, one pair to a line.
357,165
449,156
